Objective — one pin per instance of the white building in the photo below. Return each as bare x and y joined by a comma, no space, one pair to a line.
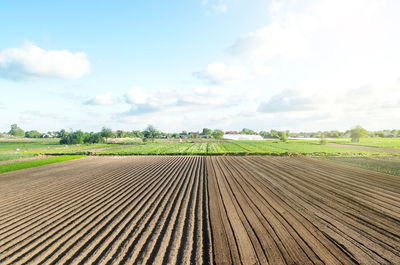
242,137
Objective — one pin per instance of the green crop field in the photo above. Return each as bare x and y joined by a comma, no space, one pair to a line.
389,165
232,147
262,147
375,142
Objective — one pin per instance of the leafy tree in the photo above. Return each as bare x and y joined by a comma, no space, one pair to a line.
264,134
207,132
93,138
121,134
151,133
358,132
217,134
62,133
247,131
137,134
274,134
32,134
107,133
16,131
283,136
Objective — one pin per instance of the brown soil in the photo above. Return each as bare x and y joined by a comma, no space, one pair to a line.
199,210
366,148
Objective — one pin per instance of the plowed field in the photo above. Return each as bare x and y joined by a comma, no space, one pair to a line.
199,210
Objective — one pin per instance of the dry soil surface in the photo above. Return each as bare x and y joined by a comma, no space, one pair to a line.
199,210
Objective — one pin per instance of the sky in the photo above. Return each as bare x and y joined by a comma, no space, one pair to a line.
299,65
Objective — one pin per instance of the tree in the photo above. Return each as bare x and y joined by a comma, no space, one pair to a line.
16,131
207,132
274,134
92,138
107,133
358,132
247,131
121,134
217,134
137,134
283,136
32,134
264,134
150,133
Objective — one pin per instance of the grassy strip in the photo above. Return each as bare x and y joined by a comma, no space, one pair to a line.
8,156
393,143
36,163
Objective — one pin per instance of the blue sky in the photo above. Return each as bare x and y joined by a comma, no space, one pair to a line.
298,65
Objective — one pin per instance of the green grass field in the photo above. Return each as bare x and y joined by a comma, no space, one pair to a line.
26,144
375,142
36,163
11,156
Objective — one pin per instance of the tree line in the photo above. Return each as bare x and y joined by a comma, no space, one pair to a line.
151,133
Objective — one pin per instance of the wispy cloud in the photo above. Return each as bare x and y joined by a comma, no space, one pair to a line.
33,62
33,115
288,101
104,99
219,6
219,73
175,101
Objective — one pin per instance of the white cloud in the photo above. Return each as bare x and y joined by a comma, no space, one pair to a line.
271,41
29,116
105,99
219,73
176,101
219,6
288,101
32,62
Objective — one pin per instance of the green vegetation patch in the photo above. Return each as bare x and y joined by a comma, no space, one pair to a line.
393,143
384,164
11,156
12,145
36,163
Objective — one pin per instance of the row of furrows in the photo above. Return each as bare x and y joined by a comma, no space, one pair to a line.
319,198
262,226
187,210
348,199
91,240
149,213
83,214
82,195
314,246
42,178
47,193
